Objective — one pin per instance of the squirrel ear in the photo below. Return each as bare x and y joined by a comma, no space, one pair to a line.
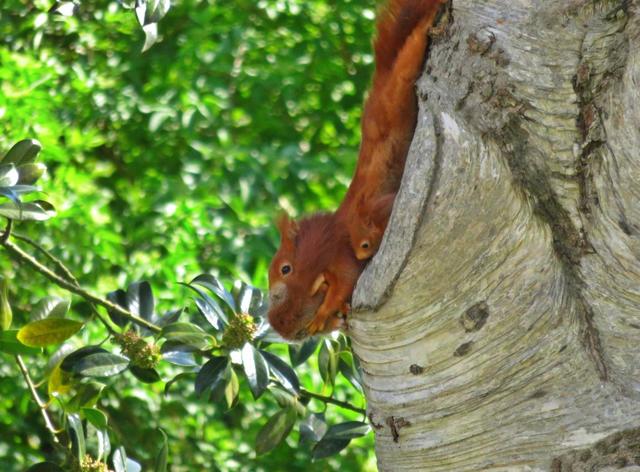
288,228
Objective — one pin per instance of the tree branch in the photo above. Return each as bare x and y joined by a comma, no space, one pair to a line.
332,401
26,258
34,394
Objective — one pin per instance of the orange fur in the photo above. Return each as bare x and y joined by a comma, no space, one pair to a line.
316,251
389,117
314,272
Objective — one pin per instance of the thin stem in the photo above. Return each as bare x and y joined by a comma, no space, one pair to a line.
332,401
34,394
7,231
65,273
57,262
26,258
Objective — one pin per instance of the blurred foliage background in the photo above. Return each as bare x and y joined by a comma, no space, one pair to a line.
173,162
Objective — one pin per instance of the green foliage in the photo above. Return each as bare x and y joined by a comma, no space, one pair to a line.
163,165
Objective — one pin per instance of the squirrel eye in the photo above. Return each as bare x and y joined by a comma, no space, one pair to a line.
365,245
285,269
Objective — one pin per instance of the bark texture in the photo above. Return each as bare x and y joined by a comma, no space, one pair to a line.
498,328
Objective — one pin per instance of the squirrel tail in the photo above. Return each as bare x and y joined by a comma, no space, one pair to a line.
395,24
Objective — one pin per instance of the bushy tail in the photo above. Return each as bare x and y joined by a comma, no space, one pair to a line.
396,21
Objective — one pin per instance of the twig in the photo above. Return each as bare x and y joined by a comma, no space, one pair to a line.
34,394
57,262
66,273
26,258
7,231
332,401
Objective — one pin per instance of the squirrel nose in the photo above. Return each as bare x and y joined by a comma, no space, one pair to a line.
277,293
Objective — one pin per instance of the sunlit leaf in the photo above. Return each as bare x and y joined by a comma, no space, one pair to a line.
256,369
50,307
76,431
37,210
140,300
48,331
96,417
186,333
211,283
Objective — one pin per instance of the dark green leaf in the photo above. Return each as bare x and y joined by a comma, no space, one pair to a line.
347,368
275,430
211,374
22,152
209,308
329,447
163,454
118,297
283,372
299,353
348,430
9,344
140,300
49,331
100,364
70,360
181,358
145,375
169,317
256,369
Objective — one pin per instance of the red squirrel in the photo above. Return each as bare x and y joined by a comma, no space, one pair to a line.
389,119
314,272
311,277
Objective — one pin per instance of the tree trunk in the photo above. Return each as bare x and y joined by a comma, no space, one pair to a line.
498,327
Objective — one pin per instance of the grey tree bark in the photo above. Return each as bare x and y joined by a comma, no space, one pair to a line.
498,328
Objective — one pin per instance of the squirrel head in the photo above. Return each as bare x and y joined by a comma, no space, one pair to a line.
296,281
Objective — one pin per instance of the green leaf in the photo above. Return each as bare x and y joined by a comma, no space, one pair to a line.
49,331
121,463
163,454
87,395
76,432
104,445
22,152
6,315
348,430
186,333
209,308
38,210
29,174
118,297
96,417
50,307
347,367
313,428
329,447
275,430
92,362
299,353
140,300
211,283
145,375
256,369
328,362
283,372
9,344
8,175
232,388
211,374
